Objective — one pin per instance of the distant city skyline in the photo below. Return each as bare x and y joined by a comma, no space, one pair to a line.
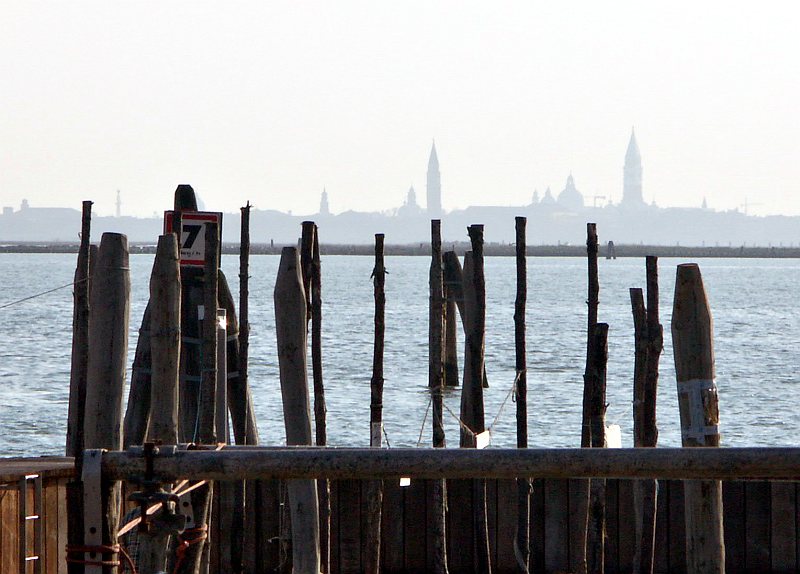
273,103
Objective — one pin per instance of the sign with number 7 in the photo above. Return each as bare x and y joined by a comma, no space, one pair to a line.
193,234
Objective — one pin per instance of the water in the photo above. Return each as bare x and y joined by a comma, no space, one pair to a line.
757,334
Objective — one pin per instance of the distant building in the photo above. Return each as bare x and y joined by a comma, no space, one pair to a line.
410,207
570,197
119,205
535,198
324,208
632,175
548,198
434,187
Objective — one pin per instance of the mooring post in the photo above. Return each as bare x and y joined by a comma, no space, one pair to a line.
165,337
77,380
320,410
693,346
137,414
290,324
246,433
109,306
648,344
454,301
522,539
475,298
436,384
374,488
595,538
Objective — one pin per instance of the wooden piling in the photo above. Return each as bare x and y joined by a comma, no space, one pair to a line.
522,538
693,346
290,323
320,410
436,385
374,488
244,324
596,529
475,299
165,341
648,345
454,302
165,337
137,414
109,304
77,379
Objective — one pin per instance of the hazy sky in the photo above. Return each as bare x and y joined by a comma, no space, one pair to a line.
271,101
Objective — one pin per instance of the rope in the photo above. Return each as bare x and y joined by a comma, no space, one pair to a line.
101,549
386,436
461,423
511,391
184,544
422,428
54,289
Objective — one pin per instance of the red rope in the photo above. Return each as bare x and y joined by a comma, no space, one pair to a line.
184,543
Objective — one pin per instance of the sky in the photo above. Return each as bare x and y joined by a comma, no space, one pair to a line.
273,101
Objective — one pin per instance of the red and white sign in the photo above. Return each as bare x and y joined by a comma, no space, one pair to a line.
193,234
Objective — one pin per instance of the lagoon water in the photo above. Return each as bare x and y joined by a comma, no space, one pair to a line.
757,337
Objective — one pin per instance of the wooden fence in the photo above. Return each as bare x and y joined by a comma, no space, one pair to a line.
761,525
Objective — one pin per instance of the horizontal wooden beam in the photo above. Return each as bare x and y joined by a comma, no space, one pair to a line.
236,463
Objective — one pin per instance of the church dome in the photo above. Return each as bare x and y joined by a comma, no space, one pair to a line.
570,197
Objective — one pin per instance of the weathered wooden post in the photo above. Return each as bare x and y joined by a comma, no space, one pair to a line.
436,385
649,342
693,345
581,488
248,434
522,539
596,530
165,342
290,324
77,381
472,411
196,554
109,304
374,488
320,410
454,299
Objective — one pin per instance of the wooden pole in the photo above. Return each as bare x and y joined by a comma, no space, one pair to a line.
165,342
77,381
137,414
306,257
109,306
693,346
450,367
197,554
436,385
290,324
476,315
320,410
249,434
374,488
522,539
595,539
581,490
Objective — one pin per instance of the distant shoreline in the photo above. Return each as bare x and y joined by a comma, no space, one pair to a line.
490,250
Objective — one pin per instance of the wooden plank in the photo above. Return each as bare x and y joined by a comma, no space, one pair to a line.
757,522
626,526
50,521
335,518
577,515
661,555
734,507
460,527
611,563
62,525
537,527
414,527
8,528
556,525
677,528
507,512
783,527
392,528
350,526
